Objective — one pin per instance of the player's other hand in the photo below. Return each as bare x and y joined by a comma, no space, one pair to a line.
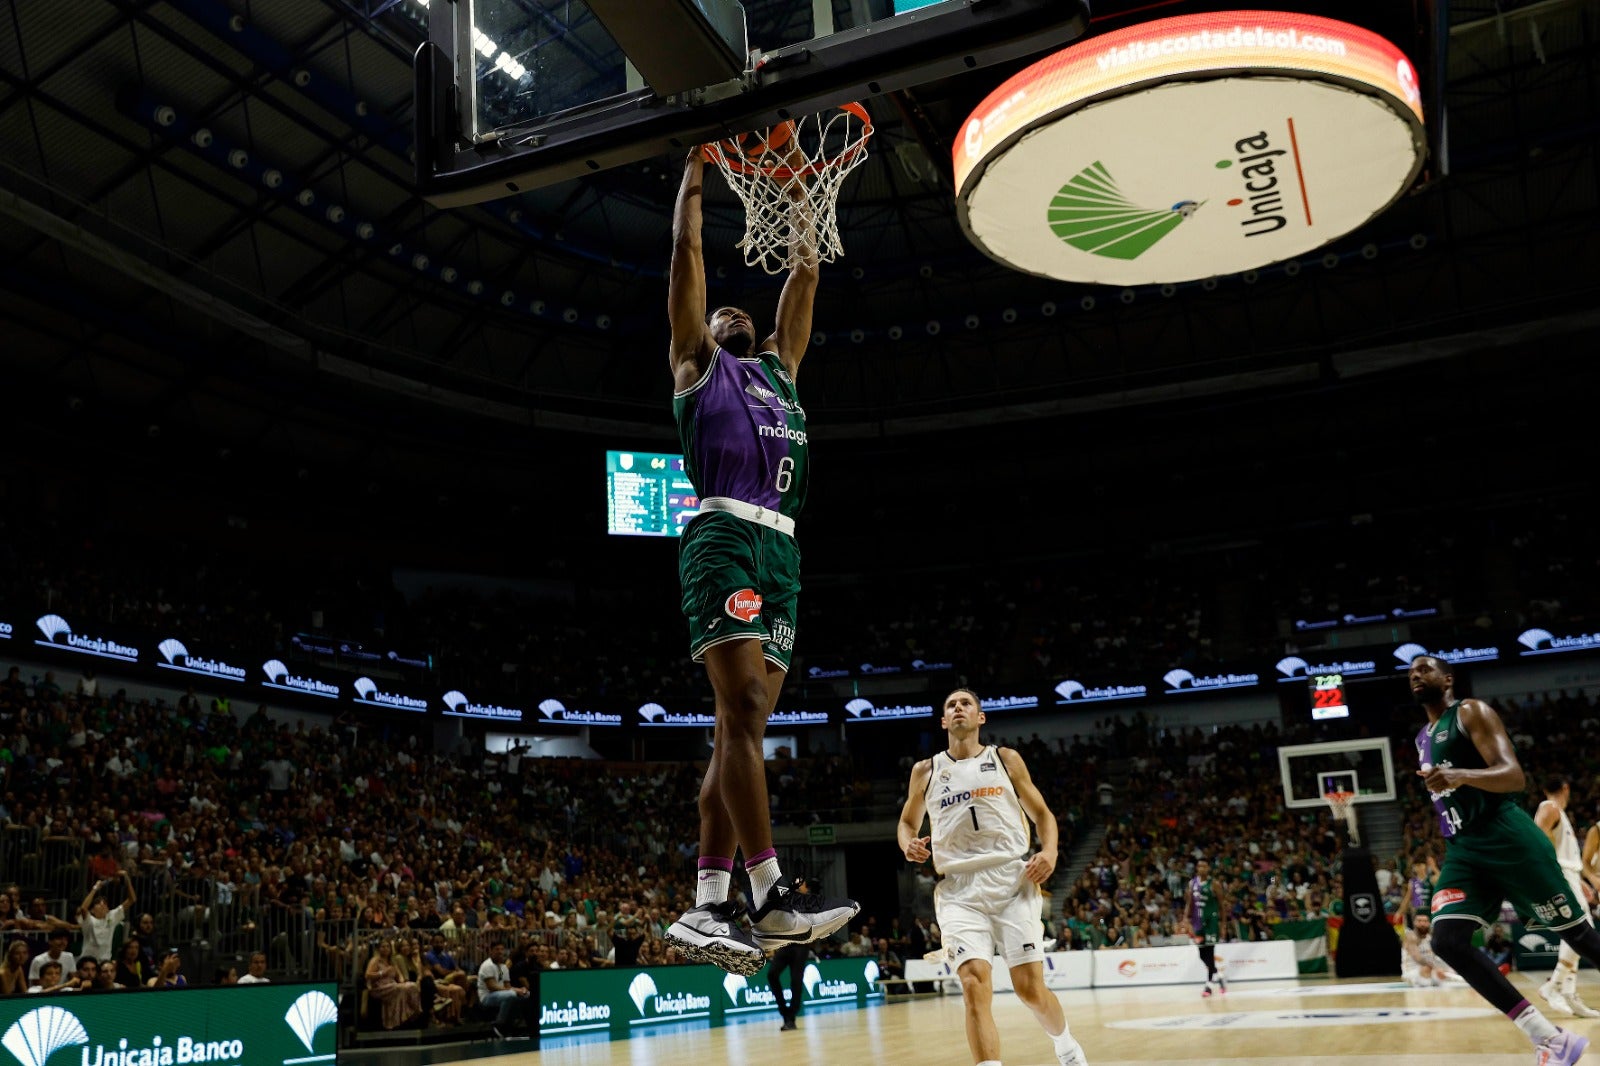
1040,867
1440,778
917,850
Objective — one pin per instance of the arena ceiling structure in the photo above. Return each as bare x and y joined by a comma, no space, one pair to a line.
211,233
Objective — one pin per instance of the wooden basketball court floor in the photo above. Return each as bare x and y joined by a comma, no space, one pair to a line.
1323,1022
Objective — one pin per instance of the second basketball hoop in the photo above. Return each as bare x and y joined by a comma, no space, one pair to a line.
788,178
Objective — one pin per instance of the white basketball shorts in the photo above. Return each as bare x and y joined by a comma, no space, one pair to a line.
989,912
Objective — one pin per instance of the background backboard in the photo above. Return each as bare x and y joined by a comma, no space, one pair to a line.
1310,771
518,94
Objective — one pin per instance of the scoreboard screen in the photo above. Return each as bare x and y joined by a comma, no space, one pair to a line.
648,494
1327,697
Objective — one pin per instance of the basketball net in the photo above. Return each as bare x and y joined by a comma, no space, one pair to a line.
788,178
1343,806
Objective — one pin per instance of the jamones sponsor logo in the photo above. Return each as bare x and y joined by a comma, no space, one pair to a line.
744,605
1070,691
1446,896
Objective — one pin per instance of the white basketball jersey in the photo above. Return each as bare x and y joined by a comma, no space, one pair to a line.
1567,851
976,817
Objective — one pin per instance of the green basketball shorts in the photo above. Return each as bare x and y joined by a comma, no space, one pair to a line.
741,580
1505,857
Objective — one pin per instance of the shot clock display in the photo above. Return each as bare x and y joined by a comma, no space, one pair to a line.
1327,697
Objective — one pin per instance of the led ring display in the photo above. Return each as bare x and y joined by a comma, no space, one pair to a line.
1189,147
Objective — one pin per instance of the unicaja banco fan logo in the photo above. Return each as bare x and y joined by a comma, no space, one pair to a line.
38,1034
308,1014
655,1005
1091,214
58,634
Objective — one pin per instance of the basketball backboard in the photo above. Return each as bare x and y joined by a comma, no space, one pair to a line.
1311,771
520,94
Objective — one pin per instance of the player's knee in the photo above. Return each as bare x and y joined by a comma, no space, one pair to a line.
975,981
1583,939
743,704
1452,940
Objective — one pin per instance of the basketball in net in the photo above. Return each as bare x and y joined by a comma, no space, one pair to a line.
788,178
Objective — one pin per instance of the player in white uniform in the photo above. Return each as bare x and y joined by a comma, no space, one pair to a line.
1561,990
978,801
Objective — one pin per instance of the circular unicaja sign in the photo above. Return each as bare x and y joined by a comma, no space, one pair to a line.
1189,148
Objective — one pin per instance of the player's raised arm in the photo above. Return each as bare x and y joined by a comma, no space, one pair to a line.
912,814
1042,865
792,335
686,281
1502,771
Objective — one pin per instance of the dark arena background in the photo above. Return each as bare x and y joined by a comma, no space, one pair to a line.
341,501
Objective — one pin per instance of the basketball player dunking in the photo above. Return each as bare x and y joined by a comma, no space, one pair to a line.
1561,990
1203,907
1493,852
744,440
978,800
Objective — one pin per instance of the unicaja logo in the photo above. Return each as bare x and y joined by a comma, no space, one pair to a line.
178,658
172,650
640,989
457,703
732,984
651,711
308,1014
552,708
367,692
1091,214
1181,680
1292,666
1070,691
278,676
53,625
811,978
41,1032
858,707
1544,642
58,634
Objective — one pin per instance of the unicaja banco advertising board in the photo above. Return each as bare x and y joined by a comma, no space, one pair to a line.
264,1025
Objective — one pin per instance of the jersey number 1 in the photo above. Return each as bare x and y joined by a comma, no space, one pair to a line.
974,812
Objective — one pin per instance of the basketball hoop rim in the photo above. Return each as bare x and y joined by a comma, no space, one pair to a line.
1340,802
732,158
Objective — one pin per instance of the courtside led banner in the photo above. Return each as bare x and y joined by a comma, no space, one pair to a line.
1189,147
253,1025
624,1002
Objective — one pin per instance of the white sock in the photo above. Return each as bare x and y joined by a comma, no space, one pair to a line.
1536,1025
712,887
1567,972
989,1062
1063,1039
763,875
